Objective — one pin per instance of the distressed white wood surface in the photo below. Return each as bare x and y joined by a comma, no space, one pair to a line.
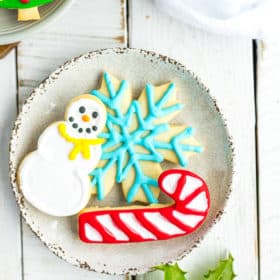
10,235
268,98
225,65
88,25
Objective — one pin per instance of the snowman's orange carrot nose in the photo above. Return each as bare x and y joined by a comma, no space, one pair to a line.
85,118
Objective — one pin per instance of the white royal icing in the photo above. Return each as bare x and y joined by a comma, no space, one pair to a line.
111,228
199,203
170,183
49,180
190,186
53,147
93,111
92,234
134,225
162,223
187,219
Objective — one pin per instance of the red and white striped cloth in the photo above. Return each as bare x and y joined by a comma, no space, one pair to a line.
150,223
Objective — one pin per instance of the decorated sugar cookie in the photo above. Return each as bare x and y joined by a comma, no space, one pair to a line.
139,138
156,222
54,178
27,9
107,138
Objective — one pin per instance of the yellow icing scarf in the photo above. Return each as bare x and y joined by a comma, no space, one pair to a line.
80,145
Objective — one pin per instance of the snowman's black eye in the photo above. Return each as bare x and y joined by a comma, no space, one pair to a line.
82,109
94,128
94,115
80,130
74,125
71,119
88,130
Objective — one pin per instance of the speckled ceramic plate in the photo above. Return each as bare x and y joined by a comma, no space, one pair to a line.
47,104
12,30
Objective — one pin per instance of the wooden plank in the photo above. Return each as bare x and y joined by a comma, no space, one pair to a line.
269,157
87,26
40,263
5,49
225,65
10,235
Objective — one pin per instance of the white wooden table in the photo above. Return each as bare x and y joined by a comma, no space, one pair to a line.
240,75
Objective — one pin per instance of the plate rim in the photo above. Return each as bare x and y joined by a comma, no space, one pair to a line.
49,80
17,36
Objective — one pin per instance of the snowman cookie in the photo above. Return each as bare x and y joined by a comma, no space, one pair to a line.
54,178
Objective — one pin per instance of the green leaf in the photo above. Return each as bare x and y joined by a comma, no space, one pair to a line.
223,271
172,272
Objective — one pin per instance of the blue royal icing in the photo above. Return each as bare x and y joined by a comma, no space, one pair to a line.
121,142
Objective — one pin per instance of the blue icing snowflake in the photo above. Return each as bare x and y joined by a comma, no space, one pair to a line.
120,150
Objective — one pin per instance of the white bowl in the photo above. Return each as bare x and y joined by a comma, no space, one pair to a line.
46,105
12,30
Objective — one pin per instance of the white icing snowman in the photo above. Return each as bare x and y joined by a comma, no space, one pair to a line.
54,178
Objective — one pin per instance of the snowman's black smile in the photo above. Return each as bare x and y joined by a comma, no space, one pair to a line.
80,129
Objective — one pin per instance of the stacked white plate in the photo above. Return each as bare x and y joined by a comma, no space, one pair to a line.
12,30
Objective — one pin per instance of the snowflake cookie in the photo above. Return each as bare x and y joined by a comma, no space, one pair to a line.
138,138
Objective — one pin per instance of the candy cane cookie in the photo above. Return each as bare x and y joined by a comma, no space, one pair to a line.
155,222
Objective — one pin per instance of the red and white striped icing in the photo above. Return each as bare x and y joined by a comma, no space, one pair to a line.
121,225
